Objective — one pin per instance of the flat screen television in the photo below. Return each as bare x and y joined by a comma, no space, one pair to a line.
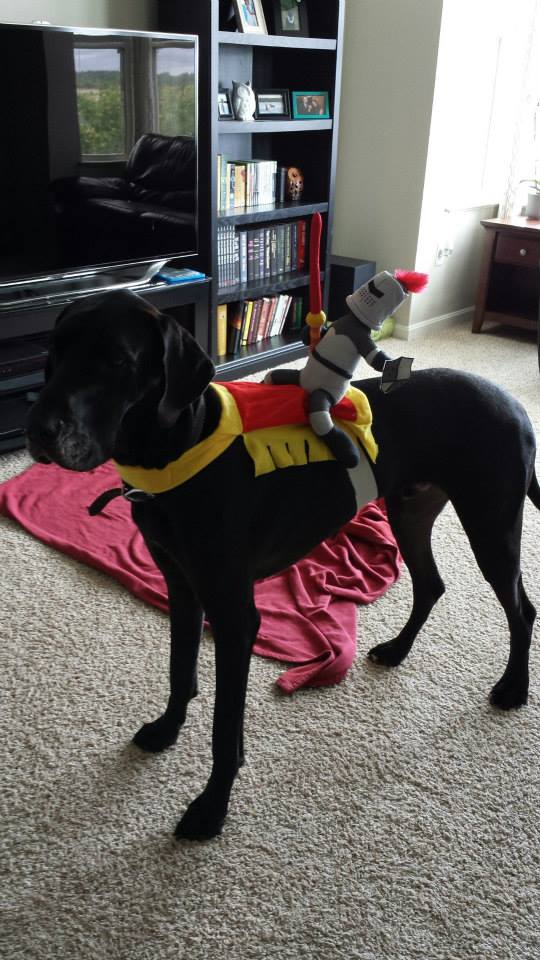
98,160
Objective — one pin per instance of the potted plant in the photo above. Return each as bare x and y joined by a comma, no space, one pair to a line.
532,210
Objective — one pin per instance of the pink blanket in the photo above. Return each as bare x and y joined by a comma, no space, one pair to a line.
308,611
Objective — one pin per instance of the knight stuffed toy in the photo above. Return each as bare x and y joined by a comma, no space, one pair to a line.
332,361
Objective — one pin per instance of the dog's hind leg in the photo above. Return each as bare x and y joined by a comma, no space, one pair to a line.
186,623
513,687
235,621
495,538
412,515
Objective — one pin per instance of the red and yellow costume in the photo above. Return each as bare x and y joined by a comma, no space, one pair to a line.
273,422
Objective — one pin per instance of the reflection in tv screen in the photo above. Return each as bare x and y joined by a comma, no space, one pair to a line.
99,149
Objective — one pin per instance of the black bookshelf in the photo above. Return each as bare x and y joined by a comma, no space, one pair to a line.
264,288
293,63
274,126
270,211
267,40
255,357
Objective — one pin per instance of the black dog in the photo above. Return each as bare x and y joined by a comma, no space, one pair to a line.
127,382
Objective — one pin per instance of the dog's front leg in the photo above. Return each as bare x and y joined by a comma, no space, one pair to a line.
186,624
235,622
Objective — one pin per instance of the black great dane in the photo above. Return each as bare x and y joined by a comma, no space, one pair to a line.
127,382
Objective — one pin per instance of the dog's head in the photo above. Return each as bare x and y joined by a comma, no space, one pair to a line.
112,357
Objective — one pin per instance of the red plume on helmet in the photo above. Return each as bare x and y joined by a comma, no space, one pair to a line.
410,281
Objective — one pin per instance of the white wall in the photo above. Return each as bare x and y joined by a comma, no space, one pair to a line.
478,85
126,14
390,58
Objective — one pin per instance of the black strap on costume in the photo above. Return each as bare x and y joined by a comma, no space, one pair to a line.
104,498
133,494
331,366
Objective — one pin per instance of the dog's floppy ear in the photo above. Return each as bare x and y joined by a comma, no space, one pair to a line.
187,369
49,361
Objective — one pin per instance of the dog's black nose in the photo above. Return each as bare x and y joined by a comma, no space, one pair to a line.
43,435
45,431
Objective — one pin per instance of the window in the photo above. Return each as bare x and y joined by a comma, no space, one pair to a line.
484,136
101,102
131,86
175,80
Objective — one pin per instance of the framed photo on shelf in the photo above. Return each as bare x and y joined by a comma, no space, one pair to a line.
290,18
272,105
225,110
250,16
310,104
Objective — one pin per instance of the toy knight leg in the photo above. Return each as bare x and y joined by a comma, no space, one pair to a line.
279,377
322,424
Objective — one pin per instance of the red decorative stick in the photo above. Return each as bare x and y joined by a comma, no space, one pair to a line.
316,316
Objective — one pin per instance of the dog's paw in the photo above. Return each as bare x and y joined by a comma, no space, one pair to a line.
200,821
508,694
158,735
387,654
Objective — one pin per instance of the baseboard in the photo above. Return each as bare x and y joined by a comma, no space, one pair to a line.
406,332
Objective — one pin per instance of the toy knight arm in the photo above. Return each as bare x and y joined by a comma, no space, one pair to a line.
376,358
351,327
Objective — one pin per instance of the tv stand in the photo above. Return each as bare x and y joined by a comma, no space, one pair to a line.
28,312
70,286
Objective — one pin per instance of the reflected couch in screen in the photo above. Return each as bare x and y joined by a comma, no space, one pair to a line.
148,210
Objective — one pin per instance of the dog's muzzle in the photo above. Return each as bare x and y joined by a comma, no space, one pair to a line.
55,440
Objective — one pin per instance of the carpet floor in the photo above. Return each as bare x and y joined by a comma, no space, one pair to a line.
394,816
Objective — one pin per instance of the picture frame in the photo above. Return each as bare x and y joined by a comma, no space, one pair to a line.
225,109
310,104
290,18
250,16
272,105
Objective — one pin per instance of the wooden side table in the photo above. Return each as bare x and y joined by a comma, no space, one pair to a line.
509,286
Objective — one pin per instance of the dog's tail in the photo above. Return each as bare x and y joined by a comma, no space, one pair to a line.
534,491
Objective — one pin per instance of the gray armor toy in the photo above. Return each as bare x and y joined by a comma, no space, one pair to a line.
331,364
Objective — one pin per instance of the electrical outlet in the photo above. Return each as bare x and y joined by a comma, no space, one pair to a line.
444,251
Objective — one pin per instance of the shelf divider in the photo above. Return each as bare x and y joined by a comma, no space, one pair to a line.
265,287
273,126
271,211
271,40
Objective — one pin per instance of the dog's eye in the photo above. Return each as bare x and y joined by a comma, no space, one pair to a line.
118,360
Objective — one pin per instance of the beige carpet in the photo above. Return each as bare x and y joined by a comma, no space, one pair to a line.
394,816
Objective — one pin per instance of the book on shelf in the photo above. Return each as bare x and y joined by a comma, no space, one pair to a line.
253,333
298,312
228,255
234,326
281,184
266,310
239,180
221,329
249,183
246,320
250,254
250,321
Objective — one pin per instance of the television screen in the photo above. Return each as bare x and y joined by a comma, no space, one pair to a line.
98,163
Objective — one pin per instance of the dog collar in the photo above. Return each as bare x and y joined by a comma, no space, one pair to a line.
132,494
